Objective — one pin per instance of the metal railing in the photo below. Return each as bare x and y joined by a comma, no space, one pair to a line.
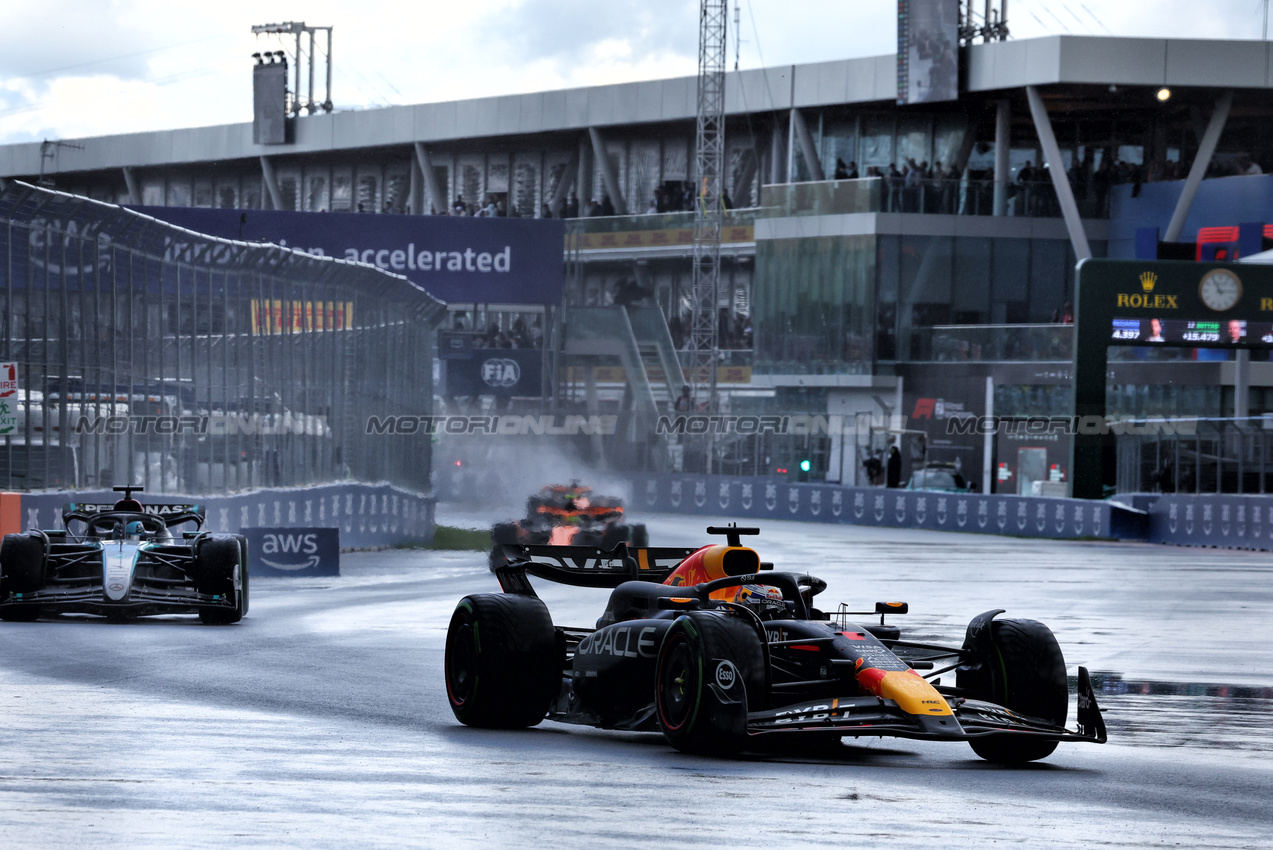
927,195
148,354
1196,456
992,343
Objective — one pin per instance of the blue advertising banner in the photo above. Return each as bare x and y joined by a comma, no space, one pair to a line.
495,371
293,551
772,498
454,258
1230,521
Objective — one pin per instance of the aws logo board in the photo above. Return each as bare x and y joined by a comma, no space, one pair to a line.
293,551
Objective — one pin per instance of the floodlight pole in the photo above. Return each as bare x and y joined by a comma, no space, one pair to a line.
299,28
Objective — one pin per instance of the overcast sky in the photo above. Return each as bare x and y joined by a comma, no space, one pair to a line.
76,68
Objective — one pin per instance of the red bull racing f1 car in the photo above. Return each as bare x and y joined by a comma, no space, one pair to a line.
125,560
568,515
720,653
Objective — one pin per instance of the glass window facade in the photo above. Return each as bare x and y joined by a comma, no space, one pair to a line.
814,305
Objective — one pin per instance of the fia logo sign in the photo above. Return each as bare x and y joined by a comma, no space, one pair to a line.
501,372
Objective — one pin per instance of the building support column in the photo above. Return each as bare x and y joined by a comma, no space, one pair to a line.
807,147
1003,146
271,183
1206,150
607,172
1060,180
583,183
415,195
988,443
437,197
134,188
563,185
775,152
1242,383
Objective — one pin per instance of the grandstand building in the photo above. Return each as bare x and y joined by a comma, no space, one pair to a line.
877,258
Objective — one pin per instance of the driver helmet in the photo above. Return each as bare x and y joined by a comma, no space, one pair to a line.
133,530
760,598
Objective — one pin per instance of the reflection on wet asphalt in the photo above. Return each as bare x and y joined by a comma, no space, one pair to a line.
322,721
1186,714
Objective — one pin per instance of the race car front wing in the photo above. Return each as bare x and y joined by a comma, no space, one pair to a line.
858,716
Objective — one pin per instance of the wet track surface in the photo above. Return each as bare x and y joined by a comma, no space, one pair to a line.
321,720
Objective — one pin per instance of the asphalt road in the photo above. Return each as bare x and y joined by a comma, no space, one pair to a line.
321,720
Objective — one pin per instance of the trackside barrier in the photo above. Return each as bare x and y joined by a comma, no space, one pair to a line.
368,516
770,498
1228,521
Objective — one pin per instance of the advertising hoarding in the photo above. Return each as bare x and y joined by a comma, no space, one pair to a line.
927,51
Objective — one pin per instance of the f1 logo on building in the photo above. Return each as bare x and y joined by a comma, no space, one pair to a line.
927,408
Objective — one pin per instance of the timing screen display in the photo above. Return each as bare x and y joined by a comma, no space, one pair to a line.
1194,332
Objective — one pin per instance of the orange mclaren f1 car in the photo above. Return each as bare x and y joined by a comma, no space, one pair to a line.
567,515
720,653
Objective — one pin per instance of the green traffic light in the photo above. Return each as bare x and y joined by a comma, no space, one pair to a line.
805,466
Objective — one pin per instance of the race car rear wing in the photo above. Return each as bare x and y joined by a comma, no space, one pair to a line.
170,514
587,566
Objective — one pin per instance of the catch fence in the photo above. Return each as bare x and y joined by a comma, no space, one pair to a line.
139,352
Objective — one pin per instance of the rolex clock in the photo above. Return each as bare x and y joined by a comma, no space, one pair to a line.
1220,289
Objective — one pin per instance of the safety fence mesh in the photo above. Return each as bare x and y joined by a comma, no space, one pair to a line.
137,352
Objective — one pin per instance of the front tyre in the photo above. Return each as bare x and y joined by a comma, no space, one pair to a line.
502,664
1031,681
217,565
710,666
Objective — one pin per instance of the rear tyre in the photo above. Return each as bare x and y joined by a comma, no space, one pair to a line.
501,533
217,562
21,571
639,537
710,667
502,663
1031,681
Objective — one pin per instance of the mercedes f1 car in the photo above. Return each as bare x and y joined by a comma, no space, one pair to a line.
721,653
567,515
125,560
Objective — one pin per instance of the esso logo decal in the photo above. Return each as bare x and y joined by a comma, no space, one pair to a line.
501,372
726,675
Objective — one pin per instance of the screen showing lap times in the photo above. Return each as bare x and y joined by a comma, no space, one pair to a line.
1193,332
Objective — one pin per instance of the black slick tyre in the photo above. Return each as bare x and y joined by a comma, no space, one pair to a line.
1030,680
502,664
216,564
711,666
21,571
